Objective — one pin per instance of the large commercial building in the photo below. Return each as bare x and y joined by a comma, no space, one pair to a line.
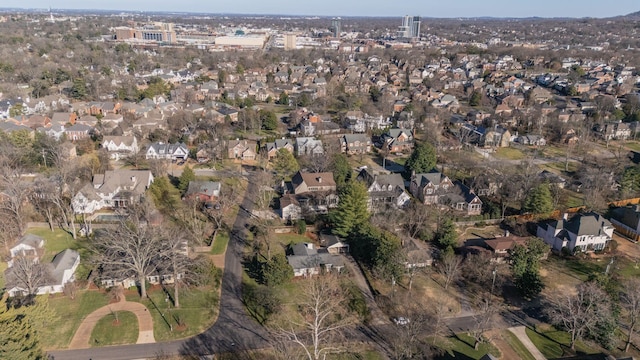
410,27
290,41
336,27
155,32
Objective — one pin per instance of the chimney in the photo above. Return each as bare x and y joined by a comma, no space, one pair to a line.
506,233
565,216
319,178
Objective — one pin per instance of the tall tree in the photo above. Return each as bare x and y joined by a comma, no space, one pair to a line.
447,236
580,313
186,177
341,169
18,335
630,302
284,164
449,266
539,200
322,318
352,211
525,266
268,119
132,248
422,159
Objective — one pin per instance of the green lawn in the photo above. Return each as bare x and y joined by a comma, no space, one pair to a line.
461,347
517,346
509,154
109,331
291,238
71,313
578,268
220,243
554,344
55,241
633,145
198,310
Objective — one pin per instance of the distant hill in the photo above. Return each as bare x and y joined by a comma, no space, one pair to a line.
634,14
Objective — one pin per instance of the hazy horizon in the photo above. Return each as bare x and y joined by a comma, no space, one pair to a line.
373,8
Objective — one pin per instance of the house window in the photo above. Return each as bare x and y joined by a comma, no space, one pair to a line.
429,191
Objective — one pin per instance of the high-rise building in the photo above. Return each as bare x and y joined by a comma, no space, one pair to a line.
336,27
289,41
410,27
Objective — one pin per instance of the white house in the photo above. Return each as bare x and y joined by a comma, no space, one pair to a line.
113,189
60,271
29,246
120,146
160,150
582,233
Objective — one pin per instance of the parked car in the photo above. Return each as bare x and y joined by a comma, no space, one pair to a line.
401,321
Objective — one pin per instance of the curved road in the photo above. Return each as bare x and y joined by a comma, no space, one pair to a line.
233,331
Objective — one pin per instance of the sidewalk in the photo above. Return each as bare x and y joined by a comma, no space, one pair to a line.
145,323
519,331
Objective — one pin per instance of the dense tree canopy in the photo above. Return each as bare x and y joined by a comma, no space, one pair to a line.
422,159
539,200
525,267
352,211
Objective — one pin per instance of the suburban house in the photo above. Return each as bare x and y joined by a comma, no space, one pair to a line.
397,140
384,190
306,260
29,246
273,147
59,272
534,140
290,208
78,132
203,191
242,149
626,220
334,244
174,152
582,233
113,189
355,144
309,146
120,146
436,188
315,192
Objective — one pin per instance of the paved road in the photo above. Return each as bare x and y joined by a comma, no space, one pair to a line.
233,331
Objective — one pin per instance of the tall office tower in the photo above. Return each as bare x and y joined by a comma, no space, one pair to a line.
289,41
410,27
415,27
336,27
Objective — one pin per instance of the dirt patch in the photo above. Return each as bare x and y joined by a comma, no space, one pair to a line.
497,339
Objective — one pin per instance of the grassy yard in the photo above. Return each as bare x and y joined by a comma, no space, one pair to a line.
554,344
109,331
517,346
220,243
461,347
198,310
71,313
509,154
55,241
633,145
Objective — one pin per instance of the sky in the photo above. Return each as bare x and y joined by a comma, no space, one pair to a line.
425,8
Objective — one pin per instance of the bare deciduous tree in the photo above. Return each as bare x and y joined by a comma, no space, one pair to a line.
322,318
630,301
449,266
28,274
132,248
16,193
579,313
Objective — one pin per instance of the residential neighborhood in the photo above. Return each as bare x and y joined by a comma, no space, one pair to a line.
197,185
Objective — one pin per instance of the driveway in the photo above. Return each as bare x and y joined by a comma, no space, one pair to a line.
145,323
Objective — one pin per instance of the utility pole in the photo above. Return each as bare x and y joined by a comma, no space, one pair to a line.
44,158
